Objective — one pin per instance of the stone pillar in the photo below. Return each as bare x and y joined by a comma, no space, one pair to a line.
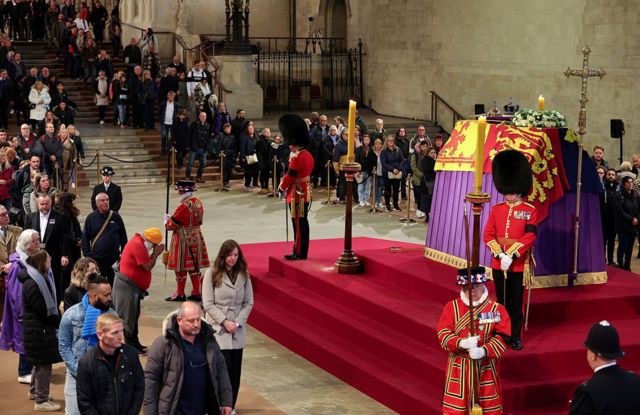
239,76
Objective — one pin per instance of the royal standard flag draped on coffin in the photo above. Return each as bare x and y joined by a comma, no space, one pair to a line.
540,147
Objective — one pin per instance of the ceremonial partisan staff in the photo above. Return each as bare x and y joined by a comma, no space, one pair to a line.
475,407
165,253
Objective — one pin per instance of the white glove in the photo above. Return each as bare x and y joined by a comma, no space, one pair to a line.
506,262
167,217
476,353
469,342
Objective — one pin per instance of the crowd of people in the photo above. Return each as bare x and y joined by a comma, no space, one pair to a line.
619,207
72,294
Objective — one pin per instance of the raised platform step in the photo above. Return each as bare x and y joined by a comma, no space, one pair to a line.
391,312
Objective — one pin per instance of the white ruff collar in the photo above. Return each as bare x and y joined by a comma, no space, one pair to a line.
185,196
483,297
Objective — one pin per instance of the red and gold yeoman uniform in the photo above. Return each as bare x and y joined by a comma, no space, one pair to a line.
492,322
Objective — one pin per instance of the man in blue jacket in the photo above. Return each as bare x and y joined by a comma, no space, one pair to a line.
104,236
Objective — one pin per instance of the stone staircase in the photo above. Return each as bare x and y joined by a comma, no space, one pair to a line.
135,154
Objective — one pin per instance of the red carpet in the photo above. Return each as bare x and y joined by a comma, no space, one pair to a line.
376,331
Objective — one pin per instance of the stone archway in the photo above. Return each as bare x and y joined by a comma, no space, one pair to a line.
336,16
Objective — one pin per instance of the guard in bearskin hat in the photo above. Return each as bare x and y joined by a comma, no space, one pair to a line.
611,389
187,250
492,328
296,182
510,233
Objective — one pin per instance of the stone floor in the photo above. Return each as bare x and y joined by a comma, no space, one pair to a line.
286,380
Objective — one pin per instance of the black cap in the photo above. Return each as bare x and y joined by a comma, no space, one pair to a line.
107,171
478,276
185,186
603,340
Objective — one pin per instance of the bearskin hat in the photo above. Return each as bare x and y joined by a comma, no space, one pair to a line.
294,130
512,173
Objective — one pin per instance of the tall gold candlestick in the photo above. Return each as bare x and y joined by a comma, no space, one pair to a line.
351,129
479,171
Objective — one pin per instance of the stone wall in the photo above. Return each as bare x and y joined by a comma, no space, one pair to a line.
468,52
478,52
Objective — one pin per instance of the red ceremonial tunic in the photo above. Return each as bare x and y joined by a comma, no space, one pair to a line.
187,251
490,319
296,181
511,228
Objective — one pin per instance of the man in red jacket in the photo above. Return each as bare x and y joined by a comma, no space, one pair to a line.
295,182
510,233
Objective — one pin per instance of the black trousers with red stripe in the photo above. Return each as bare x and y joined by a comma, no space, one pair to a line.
301,232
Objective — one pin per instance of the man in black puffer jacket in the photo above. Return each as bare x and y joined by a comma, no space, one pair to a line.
110,379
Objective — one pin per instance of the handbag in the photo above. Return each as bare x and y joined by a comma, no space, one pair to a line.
394,176
252,159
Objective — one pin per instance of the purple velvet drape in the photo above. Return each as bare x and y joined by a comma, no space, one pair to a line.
553,247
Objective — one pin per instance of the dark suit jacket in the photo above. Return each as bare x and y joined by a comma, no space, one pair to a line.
611,390
115,196
163,107
55,238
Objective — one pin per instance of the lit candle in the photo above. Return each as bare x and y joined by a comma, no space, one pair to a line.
482,125
351,130
540,103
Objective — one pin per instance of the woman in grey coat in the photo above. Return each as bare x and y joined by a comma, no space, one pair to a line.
227,298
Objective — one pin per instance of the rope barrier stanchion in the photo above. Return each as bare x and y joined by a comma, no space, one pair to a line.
98,176
57,176
408,220
374,194
75,182
329,202
273,178
222,188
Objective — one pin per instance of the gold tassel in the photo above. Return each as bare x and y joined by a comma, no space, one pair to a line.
529,269
476,410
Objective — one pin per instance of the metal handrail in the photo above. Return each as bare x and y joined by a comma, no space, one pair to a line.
435,101
310,42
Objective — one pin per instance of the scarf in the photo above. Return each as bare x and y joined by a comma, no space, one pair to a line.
47,288
91,314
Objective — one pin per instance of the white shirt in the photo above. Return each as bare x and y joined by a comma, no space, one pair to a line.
605,365
106,186
168,114
44,220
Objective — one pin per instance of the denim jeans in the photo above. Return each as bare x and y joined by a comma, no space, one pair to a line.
201,156
379,189
122,113
70,396
90,73
364,187
24,366
165,131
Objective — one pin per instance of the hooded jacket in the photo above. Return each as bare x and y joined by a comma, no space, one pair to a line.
165,368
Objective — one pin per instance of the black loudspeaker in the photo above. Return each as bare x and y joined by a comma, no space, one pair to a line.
479,109
617,128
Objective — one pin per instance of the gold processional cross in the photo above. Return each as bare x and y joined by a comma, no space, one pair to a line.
584,74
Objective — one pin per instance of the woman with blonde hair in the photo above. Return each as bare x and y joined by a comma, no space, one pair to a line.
68,156
227,299
39,99
82,270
